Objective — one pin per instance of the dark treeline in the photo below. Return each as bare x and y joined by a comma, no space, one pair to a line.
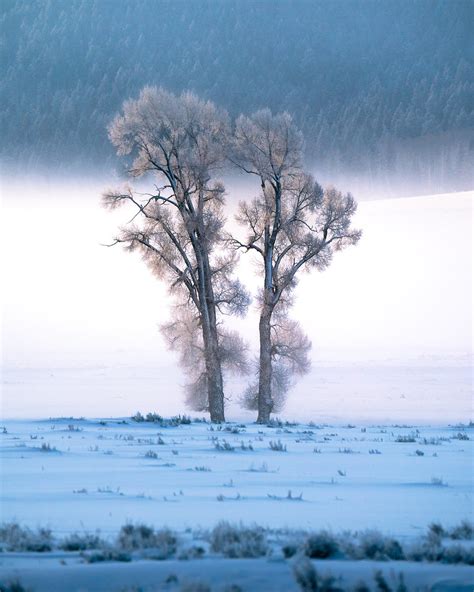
383,90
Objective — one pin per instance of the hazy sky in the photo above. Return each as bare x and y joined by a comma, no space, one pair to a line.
404,292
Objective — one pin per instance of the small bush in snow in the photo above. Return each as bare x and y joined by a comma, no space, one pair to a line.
320,545
263,468
463,531
193,552
223,446
139,536
13,537
381,582
81,542
234,429
458,554
374,545
436,530
406,439
238,541
277,446
163,422
46,447
151,454
309,580
461,436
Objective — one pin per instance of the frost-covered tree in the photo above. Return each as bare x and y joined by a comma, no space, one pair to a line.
292,225
178,229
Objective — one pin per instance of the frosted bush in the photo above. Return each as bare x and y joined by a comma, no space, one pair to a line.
309,580
320,545
13,537
277,446
139,536
374,545
81,542
238,541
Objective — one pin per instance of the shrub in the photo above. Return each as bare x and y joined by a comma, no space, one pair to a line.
193,552
438,482
406,439
13,537
373,545
163,422
461,436
151,454
277,446
46,447
263,468
309,580
153,418
139,536
223,446
290,550
381,582
457,554
320,545
238,541
464,531
81,542
435,529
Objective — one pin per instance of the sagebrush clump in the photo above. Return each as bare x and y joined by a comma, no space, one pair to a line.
238,541
139,536
14,537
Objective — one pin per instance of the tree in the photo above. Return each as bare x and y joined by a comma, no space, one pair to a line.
178,229
292,225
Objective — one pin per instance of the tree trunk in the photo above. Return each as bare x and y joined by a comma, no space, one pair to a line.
265,402
214,379
215,383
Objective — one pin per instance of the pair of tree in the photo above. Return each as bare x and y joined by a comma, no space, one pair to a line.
292,224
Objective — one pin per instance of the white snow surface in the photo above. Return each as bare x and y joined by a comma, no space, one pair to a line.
98,476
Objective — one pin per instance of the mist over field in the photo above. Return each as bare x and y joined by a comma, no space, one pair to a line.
390,322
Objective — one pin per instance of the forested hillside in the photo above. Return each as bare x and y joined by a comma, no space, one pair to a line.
383,90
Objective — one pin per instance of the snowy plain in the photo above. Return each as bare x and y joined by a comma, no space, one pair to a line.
78,475
98,475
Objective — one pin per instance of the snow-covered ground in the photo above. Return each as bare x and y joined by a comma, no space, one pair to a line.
98,475
77,475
